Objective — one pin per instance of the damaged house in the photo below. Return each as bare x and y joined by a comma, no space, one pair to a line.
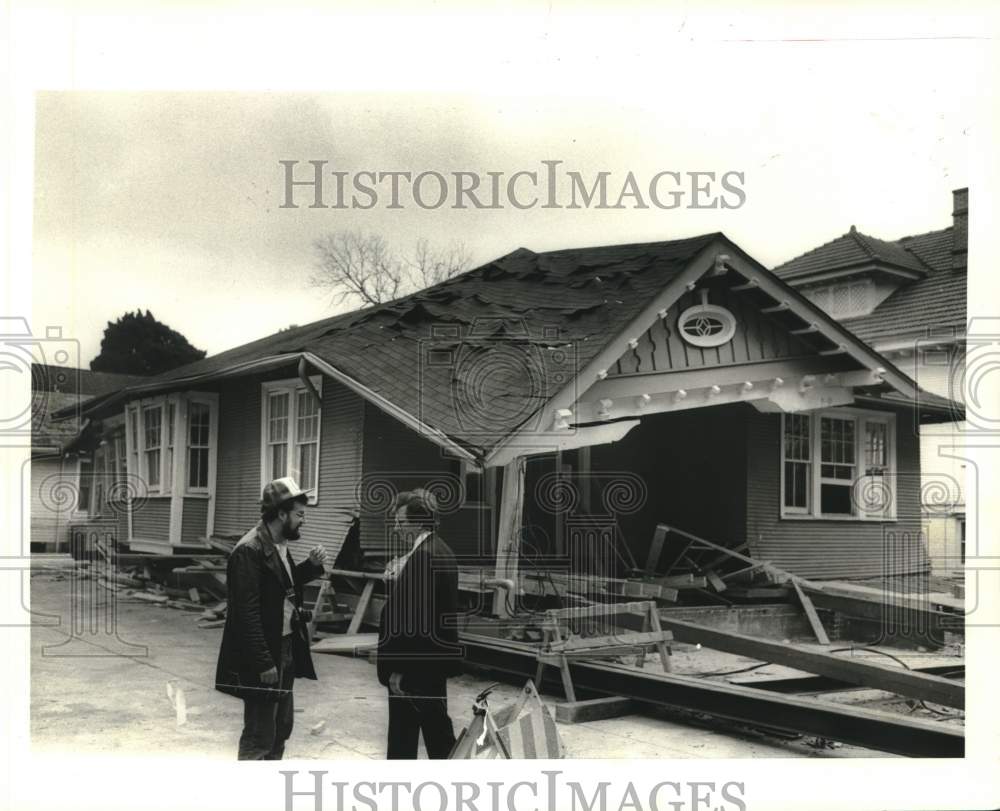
564,406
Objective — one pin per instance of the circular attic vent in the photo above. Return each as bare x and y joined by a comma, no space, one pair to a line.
706,324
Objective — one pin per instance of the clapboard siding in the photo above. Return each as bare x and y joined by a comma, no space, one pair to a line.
832,549
238,484
53,499
194,521
151,520
693,467
396,459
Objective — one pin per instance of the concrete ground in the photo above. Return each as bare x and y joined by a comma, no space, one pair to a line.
96,692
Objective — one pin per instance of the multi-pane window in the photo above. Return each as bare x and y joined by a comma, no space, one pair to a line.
167,438
838,464
121,471
199,426
291,434
133,435
168,476
306,438
152,438
837,468
277,435
798,453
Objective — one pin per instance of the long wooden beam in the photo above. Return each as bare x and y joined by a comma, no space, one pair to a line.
886,608
865,673
884,731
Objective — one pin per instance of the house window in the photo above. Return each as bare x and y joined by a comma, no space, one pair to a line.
291,433
119,487
133,440
844,300
187,442
170,410
86,485
798,450
152,436
838,464
199,425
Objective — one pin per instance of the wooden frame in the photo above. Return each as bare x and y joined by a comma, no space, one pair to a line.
292,387
860,417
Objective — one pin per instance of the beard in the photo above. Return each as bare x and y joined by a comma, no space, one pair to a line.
288,533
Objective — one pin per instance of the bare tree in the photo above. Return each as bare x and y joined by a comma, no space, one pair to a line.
362,266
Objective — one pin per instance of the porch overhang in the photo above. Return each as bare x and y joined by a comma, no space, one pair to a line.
838,366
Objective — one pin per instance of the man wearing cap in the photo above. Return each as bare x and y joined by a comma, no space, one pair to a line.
265,643
418,646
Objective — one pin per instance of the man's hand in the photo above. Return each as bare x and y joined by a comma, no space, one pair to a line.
396,684
269,676
317,555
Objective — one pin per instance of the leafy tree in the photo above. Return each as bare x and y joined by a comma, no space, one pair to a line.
139,344
362,266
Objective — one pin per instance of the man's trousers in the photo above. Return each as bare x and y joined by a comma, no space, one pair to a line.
268,724
424,709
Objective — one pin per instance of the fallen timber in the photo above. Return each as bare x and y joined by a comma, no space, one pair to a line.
804,685
854,725
885,608
864,673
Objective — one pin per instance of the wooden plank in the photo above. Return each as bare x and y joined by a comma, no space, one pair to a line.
656,549
811,615
715,581
347,644
509,531
850,669
623,639
602,610
594,709
885,731
359,612
358,575
881,607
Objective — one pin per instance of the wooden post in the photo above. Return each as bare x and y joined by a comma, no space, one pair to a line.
509,531
811,615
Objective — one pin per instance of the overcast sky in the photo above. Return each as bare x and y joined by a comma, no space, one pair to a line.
170,201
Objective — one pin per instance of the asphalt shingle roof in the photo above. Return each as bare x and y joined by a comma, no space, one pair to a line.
487,347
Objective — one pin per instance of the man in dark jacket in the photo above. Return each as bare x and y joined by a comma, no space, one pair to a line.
418,646
265,643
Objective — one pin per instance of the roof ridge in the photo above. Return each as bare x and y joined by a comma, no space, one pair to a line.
862,240
811,250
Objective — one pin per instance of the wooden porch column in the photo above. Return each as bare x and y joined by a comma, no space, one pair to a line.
509,532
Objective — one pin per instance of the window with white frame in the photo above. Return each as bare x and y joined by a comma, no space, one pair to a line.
290,423
170,418
838,464
152,436
199,428
172,433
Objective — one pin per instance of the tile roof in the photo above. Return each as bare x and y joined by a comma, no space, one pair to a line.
850,250
936,302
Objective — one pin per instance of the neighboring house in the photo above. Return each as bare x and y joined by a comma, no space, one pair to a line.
562,404
65,455
907,299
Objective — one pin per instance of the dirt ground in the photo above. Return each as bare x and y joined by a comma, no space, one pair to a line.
105,689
